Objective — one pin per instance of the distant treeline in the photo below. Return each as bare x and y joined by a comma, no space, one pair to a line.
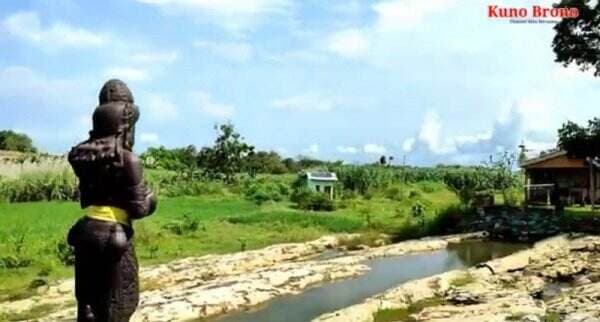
13,141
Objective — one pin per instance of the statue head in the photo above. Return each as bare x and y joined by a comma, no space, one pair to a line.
116,115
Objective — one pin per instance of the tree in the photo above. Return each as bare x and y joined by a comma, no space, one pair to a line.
12,141
577,40
580,141
178,159
503,176
264,162
226,158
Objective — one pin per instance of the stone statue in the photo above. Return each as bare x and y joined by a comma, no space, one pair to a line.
112,194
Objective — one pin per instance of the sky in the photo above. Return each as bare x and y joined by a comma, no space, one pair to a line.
432,81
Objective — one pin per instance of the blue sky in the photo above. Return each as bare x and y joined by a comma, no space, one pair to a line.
437,81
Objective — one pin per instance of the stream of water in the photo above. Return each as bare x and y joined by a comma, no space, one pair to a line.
384,274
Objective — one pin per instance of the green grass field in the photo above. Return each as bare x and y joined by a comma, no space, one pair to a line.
220,224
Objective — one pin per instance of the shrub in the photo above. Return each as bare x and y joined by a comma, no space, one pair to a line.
484,198
184,226
512,197
464,279
14,261
308,200
449,219
263,190
394,193
429,186
17,257
414,194
64,252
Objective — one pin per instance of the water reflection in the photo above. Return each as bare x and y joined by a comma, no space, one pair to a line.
385,273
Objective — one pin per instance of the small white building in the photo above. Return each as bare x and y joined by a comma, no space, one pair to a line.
320,181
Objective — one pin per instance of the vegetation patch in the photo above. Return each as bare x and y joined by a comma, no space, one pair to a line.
464,279
404,314
552,317
370,239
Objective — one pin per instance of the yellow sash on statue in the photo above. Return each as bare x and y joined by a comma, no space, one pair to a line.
107,213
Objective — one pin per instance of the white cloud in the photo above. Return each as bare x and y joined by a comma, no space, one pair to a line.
233,15
158,108
127,73
349,43
149,138
28,27
381,41
347,149
431,135
305,102
408,144
313,149
372,148
538,112
149,57
505,134
205,103
404,14
236,51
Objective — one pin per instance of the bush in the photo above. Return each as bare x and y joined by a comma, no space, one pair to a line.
16,257
186,183
394,193
64,252
449,220
14,261
178,159
429,186
263,190
308,200
512,197
414,194
186,225
484,198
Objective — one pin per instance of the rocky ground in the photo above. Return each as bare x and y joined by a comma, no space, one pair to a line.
556,280
211,285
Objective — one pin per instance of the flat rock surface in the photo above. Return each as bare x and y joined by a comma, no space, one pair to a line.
212,285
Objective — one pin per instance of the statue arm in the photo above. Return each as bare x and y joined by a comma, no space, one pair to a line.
139,199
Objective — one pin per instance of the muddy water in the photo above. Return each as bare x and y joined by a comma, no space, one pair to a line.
385,273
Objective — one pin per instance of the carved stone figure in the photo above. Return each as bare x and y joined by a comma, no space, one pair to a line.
112,194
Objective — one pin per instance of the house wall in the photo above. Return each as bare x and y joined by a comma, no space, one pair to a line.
312,185
573,184
565,178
